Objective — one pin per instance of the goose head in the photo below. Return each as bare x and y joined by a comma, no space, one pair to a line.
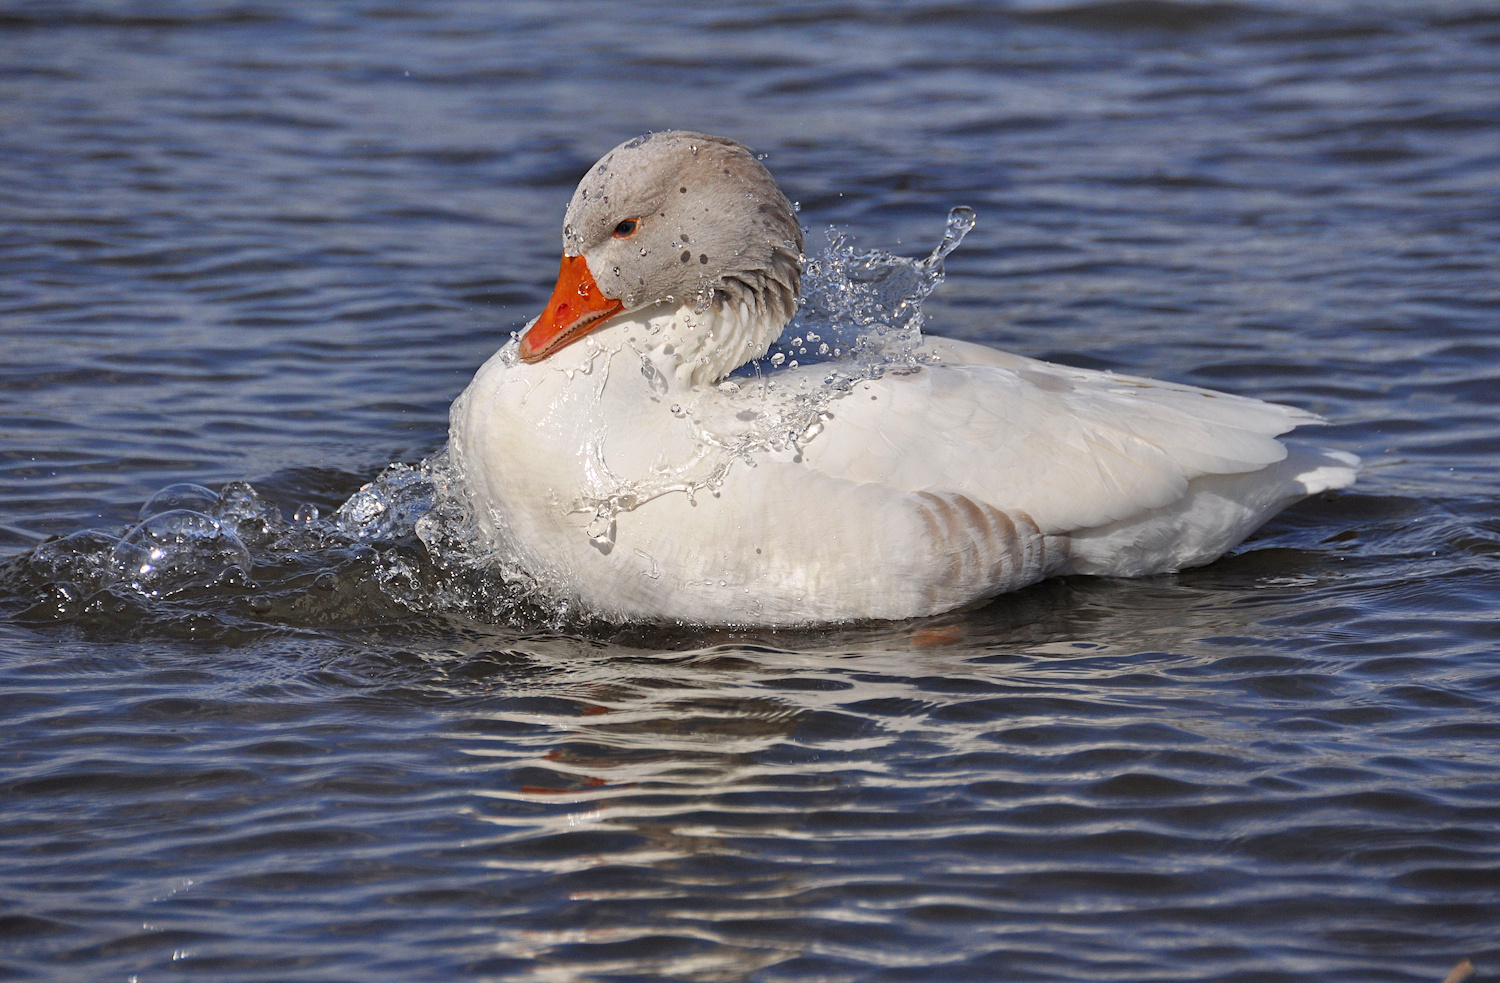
683,222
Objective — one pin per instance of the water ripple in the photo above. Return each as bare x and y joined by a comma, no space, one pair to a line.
264,242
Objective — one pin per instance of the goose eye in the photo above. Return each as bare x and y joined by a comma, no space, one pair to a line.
625,229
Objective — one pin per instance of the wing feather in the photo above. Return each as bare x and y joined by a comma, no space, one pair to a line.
1071,448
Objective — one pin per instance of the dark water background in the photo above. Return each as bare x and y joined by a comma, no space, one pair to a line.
271,241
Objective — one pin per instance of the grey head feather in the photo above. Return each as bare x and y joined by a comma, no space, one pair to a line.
711,226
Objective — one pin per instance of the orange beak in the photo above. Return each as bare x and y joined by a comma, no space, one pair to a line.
576,308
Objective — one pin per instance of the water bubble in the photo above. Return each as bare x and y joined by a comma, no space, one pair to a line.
242,511
82,558
173,551
185,495
305,514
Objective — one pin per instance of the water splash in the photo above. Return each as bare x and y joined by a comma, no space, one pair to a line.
404,545
862,311
861,317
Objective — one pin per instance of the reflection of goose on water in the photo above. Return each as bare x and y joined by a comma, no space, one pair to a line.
607,458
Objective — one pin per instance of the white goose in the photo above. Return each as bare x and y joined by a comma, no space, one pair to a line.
606,461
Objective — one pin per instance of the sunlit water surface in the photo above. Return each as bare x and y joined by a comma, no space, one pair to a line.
255,728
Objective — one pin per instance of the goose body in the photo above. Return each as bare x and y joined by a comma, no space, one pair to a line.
607,459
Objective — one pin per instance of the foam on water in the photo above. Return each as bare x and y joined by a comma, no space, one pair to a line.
408,535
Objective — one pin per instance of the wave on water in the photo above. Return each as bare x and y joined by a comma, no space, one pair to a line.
204,563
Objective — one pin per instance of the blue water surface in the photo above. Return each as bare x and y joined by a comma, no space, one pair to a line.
267,242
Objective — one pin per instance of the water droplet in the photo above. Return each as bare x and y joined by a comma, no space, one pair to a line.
601,532
653,376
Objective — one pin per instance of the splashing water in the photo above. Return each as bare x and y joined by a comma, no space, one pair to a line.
201,562
862,311
861,317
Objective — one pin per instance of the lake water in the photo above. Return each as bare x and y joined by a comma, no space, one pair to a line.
269,242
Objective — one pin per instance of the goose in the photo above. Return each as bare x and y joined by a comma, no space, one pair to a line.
607,457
